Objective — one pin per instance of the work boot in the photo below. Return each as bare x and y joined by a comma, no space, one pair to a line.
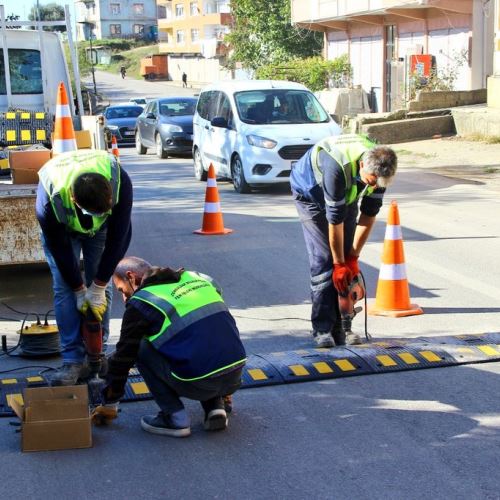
215,414
68,374
323,339
228,404
352,338
174,424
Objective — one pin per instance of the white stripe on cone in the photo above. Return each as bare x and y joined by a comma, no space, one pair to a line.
63,111
393,233
212,208
211,183
392,272
63,145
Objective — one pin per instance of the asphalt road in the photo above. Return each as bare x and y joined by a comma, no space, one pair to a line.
400,435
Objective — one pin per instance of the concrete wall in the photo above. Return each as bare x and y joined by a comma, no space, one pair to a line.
197,69
446,99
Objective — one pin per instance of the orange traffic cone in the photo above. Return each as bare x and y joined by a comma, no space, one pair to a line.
212,216
114,146
393,294
63,139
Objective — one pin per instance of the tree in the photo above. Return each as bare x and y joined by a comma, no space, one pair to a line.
48,12
262,33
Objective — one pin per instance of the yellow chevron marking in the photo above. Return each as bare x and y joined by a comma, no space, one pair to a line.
139,388
408,358
322,367
299,370
488,350
34,379
386,360
9,381
257,374
429,356
345,365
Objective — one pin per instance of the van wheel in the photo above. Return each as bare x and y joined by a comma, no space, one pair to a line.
160,152
140,149
239,182
199,172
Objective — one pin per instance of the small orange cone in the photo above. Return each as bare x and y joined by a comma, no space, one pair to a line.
63,139
212,216
114,147
393,294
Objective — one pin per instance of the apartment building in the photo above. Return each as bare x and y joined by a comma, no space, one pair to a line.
192,33
380,36
116,19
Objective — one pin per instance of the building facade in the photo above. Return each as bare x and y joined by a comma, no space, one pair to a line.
192,33
494,79
382,38
116,19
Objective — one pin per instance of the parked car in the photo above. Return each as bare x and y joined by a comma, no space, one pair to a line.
119,120
166,125
140,101
254,131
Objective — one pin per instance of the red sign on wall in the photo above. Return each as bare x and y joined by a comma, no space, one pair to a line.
421,65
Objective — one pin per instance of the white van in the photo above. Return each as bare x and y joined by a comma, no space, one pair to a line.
253,131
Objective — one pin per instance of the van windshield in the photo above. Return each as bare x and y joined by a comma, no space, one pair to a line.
25,72
279,106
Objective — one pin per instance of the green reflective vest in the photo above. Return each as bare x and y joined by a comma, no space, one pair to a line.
58,175
182,304
346,150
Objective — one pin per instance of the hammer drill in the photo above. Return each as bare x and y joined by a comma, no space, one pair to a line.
355,292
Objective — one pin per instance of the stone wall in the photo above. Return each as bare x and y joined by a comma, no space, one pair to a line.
438,99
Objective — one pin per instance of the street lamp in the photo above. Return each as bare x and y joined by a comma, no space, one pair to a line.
91,27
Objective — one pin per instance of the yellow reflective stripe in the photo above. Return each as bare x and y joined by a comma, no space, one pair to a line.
345,365
430,356
299,370
9,381
322,367
408,358
34,379
386,360
25,135
488,350
257,374
41,135
10,135
16,397
139,388
25,116
236,363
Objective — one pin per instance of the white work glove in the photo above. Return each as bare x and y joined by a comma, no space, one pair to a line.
80,297
95,298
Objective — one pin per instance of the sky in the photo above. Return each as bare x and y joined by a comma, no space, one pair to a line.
22,7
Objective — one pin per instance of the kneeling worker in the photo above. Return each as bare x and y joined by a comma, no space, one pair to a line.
184,340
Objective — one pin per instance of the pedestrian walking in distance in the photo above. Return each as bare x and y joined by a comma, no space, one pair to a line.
184,80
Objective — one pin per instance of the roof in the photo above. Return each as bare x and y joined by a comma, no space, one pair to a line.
242,85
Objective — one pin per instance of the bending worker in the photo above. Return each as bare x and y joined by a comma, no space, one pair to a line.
83,205
184,340
327,183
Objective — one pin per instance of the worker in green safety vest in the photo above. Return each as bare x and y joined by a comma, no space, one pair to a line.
83,205
184,340
328,183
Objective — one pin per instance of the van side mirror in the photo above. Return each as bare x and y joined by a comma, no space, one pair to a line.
219,121
150,116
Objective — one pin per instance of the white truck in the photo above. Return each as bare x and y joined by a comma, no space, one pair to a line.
32,63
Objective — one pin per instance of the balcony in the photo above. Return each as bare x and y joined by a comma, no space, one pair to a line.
322,15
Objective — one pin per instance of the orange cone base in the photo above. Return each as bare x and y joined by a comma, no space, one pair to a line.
414,310
208,233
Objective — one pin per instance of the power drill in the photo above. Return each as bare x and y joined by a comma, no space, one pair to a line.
91,330
355,292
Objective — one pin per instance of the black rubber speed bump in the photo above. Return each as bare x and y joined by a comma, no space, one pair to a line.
258,371
315,364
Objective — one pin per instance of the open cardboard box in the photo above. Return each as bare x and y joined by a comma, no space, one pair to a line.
24,165
83,139
54,418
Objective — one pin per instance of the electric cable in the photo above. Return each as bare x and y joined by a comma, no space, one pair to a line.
46,368
367,335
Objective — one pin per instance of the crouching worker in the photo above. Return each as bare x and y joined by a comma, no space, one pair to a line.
185,342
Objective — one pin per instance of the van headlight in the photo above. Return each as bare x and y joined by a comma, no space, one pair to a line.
261,142
112,127
171,128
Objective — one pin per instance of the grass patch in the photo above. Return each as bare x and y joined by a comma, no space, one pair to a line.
491,170
131,59
488,139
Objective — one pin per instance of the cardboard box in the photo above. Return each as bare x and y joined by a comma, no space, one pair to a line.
24,165
54,418
83,139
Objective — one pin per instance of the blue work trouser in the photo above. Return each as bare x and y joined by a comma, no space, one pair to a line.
68,317
325,316
167,390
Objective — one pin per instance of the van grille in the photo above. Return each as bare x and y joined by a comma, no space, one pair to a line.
294,152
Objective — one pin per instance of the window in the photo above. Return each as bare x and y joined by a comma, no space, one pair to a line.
115,29
138,29
195,35
193,9
138,9
224,109
25,70
207,104
180,36
178,108
115,8
162,12
179,10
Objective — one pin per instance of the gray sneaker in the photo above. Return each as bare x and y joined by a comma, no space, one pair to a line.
68,374
352,338
216,420
323,339
173,425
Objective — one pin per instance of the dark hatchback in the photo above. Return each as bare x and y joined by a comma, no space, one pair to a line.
120,121
166,125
